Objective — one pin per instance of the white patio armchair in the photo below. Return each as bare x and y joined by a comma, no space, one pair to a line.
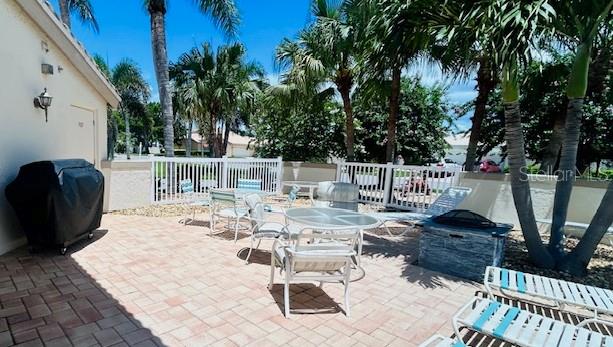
261,227
192,199
314,257
224,205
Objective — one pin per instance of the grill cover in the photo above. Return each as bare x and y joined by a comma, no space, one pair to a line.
57,201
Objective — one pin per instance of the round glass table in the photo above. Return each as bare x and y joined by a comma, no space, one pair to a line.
331,219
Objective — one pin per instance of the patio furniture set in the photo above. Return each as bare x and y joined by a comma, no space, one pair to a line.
321,243
523,328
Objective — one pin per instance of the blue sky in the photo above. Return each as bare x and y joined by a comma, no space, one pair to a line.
124,33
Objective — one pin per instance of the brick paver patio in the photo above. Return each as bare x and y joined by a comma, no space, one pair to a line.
153,282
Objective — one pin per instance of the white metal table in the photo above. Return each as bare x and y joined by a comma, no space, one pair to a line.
310,185
326,218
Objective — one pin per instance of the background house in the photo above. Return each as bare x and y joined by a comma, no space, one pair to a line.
238,146
459,146
32,35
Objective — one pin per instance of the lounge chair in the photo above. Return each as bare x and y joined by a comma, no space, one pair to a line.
191,198
245,184
261,228
314,257
447,201
224,205
578,229
442,341
537,289
523,328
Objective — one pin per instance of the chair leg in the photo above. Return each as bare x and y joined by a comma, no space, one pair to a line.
360,244
235,230
347,276
250,249
258,245
286,294
272,271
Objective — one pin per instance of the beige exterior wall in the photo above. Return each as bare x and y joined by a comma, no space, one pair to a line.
128,183
77,117
492,197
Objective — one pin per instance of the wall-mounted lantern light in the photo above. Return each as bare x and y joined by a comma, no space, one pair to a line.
43,101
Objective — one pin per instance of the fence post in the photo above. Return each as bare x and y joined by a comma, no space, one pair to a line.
339,170
225,169
279,181
387,185
153,181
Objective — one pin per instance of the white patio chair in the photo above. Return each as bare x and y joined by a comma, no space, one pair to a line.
288,202
314,257
523,328
261,228
447,201
529,287
246,184
191,198
224,205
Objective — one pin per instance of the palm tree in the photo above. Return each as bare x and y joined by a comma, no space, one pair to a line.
326,50
224,14
513,28
82,8
397,34
134,91
579,22
215,88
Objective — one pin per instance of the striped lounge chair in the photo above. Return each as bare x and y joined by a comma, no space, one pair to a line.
522,328
545,290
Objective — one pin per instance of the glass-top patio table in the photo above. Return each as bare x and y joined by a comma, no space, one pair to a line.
326,219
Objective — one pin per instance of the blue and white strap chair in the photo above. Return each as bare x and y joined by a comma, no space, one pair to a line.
292,195
447,201
224,205
191,198
523,328
546,291
249,184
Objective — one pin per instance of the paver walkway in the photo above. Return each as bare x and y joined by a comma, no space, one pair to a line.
153,282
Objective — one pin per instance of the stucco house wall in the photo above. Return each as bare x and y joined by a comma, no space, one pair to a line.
30,35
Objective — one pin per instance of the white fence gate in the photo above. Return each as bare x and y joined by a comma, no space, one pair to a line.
209,173
399,186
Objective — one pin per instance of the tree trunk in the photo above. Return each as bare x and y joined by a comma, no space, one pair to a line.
552,151
566,176
226,138
160,61
520,186
577,260
65,12
188,143
126,117
211,139
349,128
394,105
485,84
575,91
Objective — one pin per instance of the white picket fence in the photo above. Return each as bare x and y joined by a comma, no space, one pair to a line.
404,187
209,173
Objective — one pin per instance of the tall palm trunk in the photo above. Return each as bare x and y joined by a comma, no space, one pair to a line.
160,61
126,117
552,151
350,138
226,138
65,12
188,142
485,85
577,86
394,104
520,186
577,260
